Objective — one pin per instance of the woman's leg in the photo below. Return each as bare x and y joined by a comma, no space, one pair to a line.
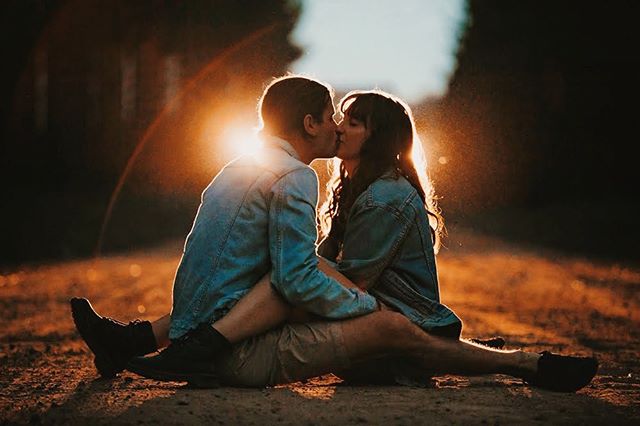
390,333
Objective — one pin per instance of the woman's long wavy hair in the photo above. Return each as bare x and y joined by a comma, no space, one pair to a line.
389,147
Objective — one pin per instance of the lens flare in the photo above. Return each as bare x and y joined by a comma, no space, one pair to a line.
240,140
188,87
417,154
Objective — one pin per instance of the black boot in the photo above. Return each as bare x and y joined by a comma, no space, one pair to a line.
563,373
191,358
113,343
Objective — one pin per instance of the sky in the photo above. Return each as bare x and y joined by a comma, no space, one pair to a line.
406,47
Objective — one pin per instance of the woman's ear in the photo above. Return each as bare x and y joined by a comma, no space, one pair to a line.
310,125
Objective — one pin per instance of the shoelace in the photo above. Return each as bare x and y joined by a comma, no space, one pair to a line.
177,344
112,321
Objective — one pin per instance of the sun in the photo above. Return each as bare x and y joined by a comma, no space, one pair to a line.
240,140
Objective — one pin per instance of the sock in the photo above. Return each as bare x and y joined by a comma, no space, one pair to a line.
144,341
220,341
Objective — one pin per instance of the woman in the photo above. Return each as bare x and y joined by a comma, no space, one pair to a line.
381,217
382,221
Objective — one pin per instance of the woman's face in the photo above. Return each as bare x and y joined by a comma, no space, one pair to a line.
352,133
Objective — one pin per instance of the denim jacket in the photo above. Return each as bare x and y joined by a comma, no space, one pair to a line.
388,246
258,214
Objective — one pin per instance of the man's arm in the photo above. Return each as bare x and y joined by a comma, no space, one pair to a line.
292,237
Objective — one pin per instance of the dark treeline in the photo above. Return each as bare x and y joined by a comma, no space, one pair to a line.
81,82
533,141
538,128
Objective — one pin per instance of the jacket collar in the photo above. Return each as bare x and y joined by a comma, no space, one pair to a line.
279,143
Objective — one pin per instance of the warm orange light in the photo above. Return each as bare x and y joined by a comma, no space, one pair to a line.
240,140
417,154
92,274
135,270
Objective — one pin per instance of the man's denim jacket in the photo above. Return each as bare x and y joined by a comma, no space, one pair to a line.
257,215
388,246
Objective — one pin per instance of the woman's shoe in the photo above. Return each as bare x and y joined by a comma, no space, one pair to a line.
563,373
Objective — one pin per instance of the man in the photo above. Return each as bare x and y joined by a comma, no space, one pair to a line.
257,215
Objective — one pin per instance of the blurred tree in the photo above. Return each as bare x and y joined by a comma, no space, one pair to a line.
541,112
84,80
541,107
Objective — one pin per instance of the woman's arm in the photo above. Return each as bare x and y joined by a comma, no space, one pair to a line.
372,238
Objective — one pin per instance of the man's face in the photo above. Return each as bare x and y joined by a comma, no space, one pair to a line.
326,140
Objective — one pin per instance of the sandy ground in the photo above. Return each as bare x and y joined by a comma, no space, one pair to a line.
535,299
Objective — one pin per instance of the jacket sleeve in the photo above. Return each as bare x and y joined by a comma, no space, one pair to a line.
292,237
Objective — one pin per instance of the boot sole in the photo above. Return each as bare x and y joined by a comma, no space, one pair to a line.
196,380
104,364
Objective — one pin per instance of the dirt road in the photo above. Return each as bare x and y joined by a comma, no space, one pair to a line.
534,299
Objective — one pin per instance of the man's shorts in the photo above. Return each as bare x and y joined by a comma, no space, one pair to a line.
288,354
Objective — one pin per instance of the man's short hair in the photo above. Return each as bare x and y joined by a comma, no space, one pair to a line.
287,100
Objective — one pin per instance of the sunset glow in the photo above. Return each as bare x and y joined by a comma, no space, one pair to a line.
240,140
417,153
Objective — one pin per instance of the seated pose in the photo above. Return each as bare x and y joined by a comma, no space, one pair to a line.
257,215
379,237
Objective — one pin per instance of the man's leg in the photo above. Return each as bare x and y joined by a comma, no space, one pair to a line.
389,333
112,342
258,311
190,359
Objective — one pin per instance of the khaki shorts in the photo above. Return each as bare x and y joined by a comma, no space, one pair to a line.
288,354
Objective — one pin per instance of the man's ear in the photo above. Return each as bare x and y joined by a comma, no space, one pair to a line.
310,125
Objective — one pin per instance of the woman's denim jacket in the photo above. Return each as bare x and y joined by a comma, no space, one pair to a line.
258,214
388,247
